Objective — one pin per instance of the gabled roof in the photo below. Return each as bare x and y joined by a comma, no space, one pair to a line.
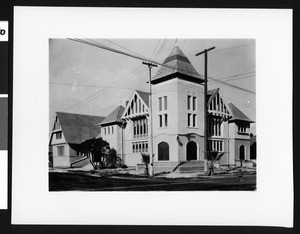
78,128
177,65
211,93
238,114
114,116
144,96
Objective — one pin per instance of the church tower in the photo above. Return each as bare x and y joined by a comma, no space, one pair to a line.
178,110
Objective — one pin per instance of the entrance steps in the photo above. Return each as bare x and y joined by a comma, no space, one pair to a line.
191,167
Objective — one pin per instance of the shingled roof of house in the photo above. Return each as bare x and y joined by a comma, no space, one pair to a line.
78,128
238,114
114,116
177,65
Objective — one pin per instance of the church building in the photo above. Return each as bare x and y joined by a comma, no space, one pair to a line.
178,120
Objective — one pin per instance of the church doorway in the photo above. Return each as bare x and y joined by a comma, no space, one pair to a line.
191,151
242,154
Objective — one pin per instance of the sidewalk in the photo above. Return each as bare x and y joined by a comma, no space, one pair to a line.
218,173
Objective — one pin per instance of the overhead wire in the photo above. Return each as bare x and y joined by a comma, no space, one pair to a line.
99,45
90,96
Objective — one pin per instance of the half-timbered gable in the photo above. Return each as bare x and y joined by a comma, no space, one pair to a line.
137,106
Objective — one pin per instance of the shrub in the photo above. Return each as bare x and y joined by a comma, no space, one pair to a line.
111,160
146,160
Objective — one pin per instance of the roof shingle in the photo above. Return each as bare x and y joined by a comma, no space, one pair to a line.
177,65
77,128
144,96
114,116
238,114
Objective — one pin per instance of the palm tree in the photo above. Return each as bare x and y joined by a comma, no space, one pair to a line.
213,156
146,161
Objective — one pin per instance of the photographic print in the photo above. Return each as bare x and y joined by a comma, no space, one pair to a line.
190,103
131,121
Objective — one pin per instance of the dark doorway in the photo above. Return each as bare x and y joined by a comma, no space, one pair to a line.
191,151
242,152
163,151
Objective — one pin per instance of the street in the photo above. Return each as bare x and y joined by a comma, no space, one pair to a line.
83,182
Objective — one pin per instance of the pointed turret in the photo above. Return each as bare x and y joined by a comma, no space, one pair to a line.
177,65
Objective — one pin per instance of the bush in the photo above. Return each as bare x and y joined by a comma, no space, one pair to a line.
146,161
111,160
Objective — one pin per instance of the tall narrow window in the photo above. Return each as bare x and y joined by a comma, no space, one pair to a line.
133,147
160,120
194,103
189,102
166,102
134,129
112,129
145,128
194,120
143,146
160,103
140,106
104,131
189,119
166,120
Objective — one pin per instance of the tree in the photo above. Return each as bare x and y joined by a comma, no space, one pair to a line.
213,156
94,149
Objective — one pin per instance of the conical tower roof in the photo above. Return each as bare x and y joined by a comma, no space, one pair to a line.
177,65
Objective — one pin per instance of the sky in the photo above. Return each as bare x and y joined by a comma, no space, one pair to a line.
87,80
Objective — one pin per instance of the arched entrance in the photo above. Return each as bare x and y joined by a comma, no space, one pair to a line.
191,151
163,151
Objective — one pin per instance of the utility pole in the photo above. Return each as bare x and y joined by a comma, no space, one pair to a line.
151,168
205,109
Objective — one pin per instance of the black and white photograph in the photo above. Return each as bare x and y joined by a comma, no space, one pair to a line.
190,103
181,123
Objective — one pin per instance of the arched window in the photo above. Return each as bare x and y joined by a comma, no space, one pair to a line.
242,152
163,151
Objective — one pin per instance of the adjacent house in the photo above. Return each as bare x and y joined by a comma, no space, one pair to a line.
68,132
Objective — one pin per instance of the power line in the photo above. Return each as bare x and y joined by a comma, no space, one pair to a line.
85,99
160,49
231,85
237,78
234,47
155,48
90,86
119,46
146,59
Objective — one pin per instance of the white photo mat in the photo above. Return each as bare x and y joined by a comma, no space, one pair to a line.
270,205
